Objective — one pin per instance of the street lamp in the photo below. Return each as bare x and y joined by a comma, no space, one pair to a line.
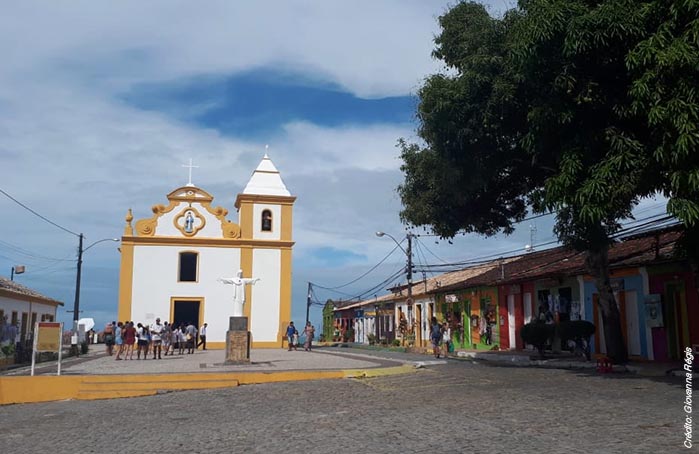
408,270
76,305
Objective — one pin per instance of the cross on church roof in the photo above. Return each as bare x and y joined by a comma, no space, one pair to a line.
190,166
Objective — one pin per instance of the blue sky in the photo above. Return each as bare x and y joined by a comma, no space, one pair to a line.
101,103
259,102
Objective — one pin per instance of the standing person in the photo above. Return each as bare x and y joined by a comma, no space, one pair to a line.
181,338
446,339
191,336
202,336
143,341
291,333
435,336
118,340
109,337
129,335
156,329
166,337
308,331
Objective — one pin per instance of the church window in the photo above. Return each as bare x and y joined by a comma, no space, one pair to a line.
188,266
266,221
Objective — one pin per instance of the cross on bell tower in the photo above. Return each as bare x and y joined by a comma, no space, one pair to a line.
190,167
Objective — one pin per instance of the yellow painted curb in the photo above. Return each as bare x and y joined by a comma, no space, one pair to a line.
15,390
379,372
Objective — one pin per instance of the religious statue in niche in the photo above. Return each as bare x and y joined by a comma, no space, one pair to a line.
189,222
239,290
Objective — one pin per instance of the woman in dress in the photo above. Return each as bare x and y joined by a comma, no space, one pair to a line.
129,336
118,340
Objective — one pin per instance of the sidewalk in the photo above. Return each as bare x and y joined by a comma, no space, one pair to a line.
98,376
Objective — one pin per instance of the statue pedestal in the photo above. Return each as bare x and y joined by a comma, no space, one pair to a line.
237,341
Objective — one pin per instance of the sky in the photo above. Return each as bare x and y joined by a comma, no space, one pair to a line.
102,102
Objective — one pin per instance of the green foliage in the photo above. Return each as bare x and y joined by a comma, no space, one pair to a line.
8,350
576,106
396,342
371,338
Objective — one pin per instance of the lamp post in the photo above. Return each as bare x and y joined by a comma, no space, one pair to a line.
18,269
408,271
76,304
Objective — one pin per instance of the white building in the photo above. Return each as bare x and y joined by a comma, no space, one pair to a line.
171,261
23,307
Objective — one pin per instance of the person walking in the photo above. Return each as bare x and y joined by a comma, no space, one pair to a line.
109,338
166,337
191,336
202,336
435,336
308,331
156,330
291,333
446,338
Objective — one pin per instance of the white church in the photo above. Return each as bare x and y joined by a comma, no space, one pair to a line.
171,261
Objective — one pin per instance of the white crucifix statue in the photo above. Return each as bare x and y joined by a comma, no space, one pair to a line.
190,167
239,290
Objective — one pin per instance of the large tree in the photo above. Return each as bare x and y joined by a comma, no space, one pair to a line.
580,107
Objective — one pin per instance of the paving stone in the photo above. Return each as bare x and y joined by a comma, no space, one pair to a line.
450,407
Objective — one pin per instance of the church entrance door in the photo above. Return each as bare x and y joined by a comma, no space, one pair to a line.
186,312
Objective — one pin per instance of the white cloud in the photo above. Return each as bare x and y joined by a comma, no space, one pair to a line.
74,152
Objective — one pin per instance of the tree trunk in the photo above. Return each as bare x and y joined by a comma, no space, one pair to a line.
598,266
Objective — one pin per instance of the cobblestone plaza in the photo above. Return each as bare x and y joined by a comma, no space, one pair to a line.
447,406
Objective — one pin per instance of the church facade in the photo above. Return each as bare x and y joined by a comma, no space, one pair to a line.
171,262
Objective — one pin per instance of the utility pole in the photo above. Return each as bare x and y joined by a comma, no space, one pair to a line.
308,304
409,253
76,304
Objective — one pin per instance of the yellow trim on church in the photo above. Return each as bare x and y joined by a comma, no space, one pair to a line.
233,236
125,281
202,303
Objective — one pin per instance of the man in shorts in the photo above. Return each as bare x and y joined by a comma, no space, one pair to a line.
156,330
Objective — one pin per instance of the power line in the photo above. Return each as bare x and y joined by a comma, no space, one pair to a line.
355,280
37,214
31,254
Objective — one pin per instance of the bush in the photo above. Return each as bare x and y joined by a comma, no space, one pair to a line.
396,342
349,335
371,338
537,334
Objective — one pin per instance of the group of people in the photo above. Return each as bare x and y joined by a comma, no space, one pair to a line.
157,339
440,335
292,336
